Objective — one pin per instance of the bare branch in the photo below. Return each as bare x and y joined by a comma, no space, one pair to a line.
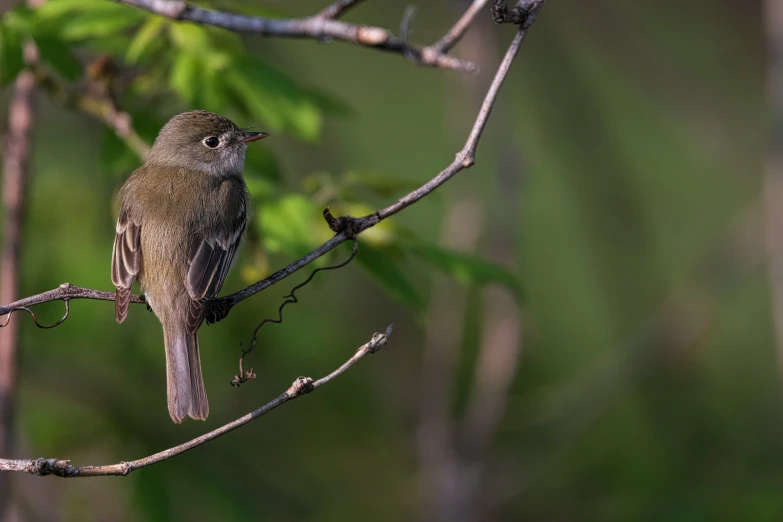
351,227
337,9
96,102
15,176
301,386
64,292
322,26
772,187
523,14
345,228
455,34
464,159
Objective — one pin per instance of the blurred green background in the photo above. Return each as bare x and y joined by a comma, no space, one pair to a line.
633,377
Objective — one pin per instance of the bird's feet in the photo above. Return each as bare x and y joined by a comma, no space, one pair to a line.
217,310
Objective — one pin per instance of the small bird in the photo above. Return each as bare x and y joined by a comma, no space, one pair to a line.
183,215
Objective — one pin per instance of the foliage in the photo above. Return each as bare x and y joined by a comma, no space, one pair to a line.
191,66
640,135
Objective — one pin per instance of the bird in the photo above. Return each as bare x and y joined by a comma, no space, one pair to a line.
182,217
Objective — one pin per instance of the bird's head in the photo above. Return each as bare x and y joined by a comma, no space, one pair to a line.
203,141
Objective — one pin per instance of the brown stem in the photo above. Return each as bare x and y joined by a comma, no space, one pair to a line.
772,187
349,228
98,105
322,26
301,386
455,34
464,159
15,177
337,9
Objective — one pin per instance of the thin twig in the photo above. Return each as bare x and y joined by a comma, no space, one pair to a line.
337,9
15,177
455,34
348,229
64,292
243,376
220,308
99,105
320,27
301,386
772,186
523,14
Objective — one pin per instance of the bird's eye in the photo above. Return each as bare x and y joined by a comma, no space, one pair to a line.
212,142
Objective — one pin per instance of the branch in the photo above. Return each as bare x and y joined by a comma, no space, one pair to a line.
94,99
337,9
243,376
523,14
455,34
353,226
15,177
772,186
322,26
346,227
301,386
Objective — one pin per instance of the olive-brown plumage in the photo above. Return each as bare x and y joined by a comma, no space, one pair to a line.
182,218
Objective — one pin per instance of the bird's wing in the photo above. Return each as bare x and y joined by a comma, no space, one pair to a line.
125,262
209,260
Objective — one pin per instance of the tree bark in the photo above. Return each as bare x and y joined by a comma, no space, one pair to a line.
14,185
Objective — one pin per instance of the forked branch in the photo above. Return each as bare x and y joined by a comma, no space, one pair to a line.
345,227
349,227
323,26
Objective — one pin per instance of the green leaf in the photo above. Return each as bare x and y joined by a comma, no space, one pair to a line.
211,94
288,224
11,59
184,76
146,38
262,162
273,98
58,55
87,26
467,269
56,9
20,19
382,265
192,39
84,19
259,188
115,155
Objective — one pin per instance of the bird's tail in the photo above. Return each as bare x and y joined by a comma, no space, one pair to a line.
184,383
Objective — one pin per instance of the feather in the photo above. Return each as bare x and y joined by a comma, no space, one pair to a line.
125,262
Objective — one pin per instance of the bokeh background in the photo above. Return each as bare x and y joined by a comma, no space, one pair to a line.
583,324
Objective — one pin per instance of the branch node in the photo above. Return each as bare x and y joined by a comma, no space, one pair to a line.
178,10
337,9
379,339
300,386
465,158
60,468
522,14
371,36
349,225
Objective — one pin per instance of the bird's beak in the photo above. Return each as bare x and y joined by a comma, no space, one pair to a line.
254,136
